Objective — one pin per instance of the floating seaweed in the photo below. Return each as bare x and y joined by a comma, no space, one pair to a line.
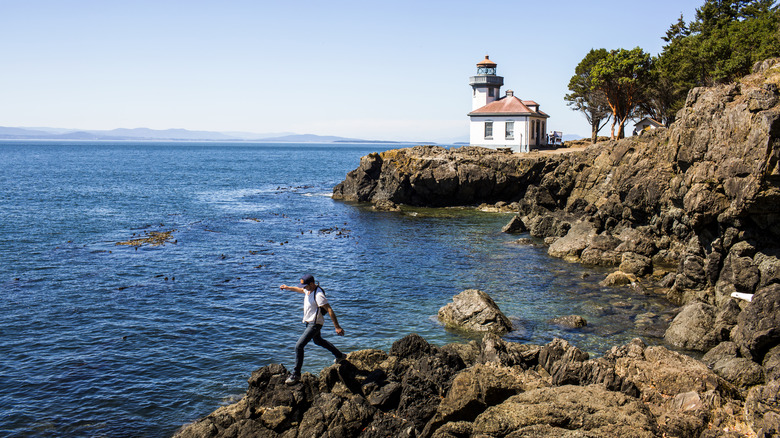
151,238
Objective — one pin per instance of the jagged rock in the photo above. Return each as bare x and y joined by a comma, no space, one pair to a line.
570,246
551,412
635,264
739,371
772,364
473,310
768,268
762,409
424,384
758,328
514,226
691,329
660,373
570,321
388,425
724,350
468,353
477,388
493,349
455,429
559,351
411,347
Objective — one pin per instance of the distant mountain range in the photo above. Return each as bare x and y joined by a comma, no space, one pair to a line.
170,135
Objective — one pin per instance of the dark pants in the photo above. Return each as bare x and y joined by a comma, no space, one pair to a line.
312,332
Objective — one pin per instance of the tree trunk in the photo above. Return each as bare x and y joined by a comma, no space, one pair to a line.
594,131
612,129
621,129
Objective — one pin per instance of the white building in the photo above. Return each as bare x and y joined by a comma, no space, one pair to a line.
647,123
503,122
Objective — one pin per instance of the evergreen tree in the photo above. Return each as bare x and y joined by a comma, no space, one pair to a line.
720,45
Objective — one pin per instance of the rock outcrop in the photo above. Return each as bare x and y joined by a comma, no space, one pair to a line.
474,311
693,210
495,388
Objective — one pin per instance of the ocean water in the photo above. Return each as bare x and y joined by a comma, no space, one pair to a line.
107,340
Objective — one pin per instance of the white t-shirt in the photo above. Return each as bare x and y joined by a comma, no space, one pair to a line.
310,306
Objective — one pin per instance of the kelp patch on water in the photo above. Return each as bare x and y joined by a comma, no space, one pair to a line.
151,238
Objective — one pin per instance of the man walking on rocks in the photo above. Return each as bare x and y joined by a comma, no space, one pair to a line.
314,303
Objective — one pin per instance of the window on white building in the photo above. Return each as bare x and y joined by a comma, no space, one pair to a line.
491,92
510,130
488,130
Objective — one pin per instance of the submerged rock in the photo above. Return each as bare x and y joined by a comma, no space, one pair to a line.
570,321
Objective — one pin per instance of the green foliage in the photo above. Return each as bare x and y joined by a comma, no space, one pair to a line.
584,98
720,45
623,75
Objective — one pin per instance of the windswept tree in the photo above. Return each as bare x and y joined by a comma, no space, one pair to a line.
592,103
623,76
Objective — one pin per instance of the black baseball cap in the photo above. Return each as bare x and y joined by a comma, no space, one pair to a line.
308,278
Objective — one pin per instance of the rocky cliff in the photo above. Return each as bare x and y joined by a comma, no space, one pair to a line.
693,210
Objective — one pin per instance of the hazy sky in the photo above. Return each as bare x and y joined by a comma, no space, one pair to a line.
395,70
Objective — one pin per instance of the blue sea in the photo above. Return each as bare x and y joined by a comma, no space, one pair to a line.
107,340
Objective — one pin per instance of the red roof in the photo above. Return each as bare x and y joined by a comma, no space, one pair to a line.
486,62
508,105
530,102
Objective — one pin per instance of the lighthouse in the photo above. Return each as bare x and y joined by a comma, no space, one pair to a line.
502,122
486,85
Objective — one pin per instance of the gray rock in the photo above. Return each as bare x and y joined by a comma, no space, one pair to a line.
387,397
772,364
739,371
724,350
691,329
762,409
473,310
758,328
495,350
514,226
636,264
411,347
592,410
570,246
477,388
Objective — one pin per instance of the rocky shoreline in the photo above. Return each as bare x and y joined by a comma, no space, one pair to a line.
693,210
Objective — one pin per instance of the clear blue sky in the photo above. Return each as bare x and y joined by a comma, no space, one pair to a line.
378,70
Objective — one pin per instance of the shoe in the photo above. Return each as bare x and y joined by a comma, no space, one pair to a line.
340,359
293,379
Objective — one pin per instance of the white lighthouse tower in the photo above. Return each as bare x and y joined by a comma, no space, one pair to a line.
486,85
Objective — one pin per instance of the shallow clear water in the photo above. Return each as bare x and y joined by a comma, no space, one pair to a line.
107,340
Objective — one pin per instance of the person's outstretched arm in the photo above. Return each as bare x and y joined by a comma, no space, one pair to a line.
292,288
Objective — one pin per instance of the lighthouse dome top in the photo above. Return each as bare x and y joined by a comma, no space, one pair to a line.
486,62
